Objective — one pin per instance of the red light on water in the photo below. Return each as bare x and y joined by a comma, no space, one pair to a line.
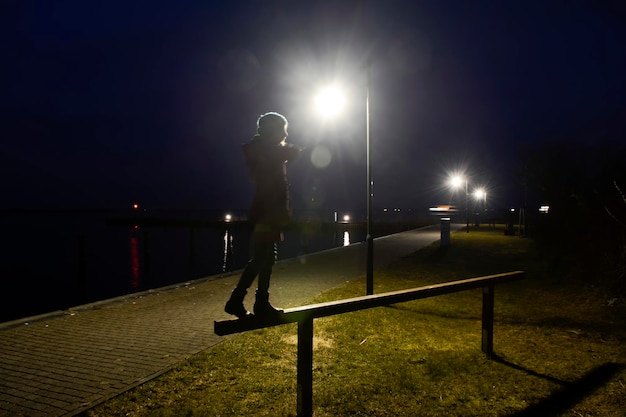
134,262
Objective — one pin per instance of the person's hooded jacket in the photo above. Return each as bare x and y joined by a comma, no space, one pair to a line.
267,167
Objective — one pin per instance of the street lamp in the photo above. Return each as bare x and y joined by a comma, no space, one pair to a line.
329,102
369,239
456,182
481,194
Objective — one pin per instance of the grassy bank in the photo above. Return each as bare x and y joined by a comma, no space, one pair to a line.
560,349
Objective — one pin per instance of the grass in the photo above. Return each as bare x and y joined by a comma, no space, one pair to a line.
559,349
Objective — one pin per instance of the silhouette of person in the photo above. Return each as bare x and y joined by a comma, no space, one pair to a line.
266,157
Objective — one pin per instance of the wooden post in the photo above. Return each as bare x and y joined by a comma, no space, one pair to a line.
487,339
305,367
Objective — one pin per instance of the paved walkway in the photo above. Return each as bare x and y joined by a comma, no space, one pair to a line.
64,363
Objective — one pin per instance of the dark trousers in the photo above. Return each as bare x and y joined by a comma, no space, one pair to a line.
263,259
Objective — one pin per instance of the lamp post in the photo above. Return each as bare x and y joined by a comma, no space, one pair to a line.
456,182
331,100
369,239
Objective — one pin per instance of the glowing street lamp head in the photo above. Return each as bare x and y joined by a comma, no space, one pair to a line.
457,181
479,194
330,101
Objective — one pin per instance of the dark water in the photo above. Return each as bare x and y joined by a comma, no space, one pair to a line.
54,261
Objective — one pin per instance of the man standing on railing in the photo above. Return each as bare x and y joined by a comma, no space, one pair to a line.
266,157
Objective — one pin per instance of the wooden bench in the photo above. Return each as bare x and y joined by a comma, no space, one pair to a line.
304,316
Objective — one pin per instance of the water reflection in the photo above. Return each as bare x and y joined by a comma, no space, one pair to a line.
228,251
341,238
134,262
209,251
346,238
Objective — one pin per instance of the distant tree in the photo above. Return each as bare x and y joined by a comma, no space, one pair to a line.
579,182
618,214
609,210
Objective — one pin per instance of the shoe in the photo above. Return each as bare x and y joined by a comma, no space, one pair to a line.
235,306
262,307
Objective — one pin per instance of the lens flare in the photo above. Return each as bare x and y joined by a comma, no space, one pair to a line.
321,157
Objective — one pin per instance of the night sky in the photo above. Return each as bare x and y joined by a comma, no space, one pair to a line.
107,103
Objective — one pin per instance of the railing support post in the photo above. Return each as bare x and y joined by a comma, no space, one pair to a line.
305,367
304,317
487,339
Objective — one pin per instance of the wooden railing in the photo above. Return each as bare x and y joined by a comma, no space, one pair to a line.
304,316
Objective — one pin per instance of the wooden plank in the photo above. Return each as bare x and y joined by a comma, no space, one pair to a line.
298,314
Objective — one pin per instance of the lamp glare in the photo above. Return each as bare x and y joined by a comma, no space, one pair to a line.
330,102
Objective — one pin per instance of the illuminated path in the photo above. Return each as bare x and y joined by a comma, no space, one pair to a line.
66,362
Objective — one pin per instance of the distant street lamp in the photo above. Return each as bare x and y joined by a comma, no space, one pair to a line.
481,194
329,102
456,182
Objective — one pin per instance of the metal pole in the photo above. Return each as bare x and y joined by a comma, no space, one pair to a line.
466,206
487,337
369,238
305,368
